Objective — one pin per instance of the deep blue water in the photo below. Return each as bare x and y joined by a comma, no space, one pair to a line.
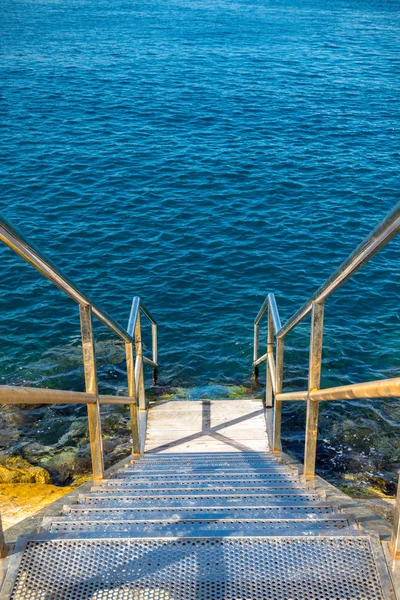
201,154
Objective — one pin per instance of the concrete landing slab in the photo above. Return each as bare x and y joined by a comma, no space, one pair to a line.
207,426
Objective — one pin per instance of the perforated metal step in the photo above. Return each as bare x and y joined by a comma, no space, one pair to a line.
340,567
203,466
208,456
286,488
268,464
205,454
196,528
217,471
87,513
221,500
212,478
167,484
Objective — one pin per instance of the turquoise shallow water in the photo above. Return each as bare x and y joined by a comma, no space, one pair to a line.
201,155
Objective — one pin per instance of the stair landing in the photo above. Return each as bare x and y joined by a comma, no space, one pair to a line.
207,426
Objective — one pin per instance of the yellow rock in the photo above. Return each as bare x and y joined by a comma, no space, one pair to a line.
21,500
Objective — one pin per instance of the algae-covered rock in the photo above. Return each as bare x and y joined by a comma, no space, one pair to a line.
81,479
65,464
17,470
34,451
77,433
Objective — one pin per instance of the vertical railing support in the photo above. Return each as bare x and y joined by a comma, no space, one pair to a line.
155,351
3,547
280,346
270,349
255,349
139,356
314,381
89,365
395,541
130,369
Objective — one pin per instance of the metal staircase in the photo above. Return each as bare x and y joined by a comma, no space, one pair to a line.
190,518
181,526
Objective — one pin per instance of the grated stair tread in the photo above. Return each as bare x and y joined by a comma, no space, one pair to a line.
287,487
264,472
207,472
203,456
209,500
228,568
279,467
171,464
197,527
184,512
288,483
233,491
212,479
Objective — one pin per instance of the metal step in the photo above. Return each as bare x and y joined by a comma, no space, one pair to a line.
257,568
210,477
198,492
117,484
278,467
170,464
207,456
203,454
203,461
217,462
203,500
204,527
202,470
138,492
86,513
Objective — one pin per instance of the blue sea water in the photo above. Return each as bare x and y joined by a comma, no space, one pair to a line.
199,155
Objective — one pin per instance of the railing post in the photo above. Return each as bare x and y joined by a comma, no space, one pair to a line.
280,346
270,349
130,369
314,380
255,348
155,351
395,541
139,353
3,547
89,365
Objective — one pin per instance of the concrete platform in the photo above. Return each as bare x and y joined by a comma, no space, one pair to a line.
207,426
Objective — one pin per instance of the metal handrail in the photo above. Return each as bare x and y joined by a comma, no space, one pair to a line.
269,302
11,237
382,388
378,238
137,308
14,239
11,394
274,325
